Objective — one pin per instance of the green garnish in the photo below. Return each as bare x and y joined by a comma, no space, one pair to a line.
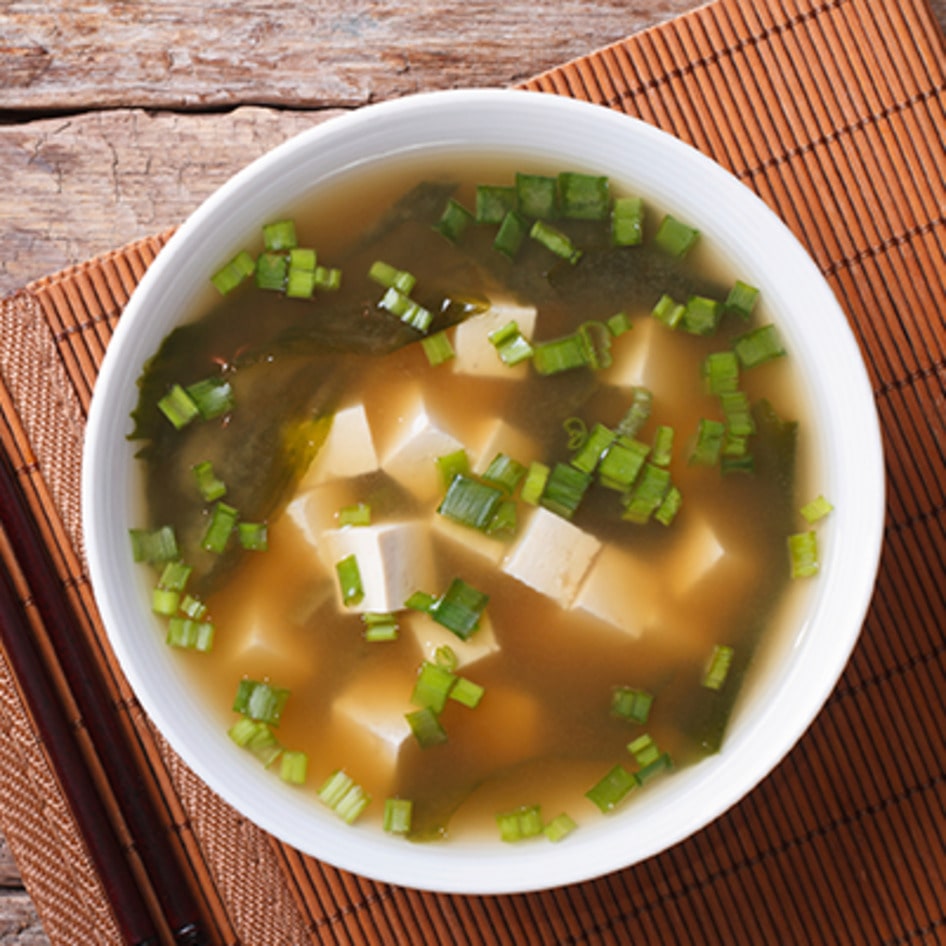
559,827
437,348
631,703
493,202
280,235
612,789
459,608
555,241
454,220
519,824
718,667
344,796
294,766
425,725
675,238
223,520
584,196
817,509
260,700
229,276
154,546
758,346
209,485
627,221
510,344
349,580
398,814
803,554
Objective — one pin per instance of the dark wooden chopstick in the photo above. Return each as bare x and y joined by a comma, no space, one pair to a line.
110,742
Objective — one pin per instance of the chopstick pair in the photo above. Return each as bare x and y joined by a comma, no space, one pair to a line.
83,677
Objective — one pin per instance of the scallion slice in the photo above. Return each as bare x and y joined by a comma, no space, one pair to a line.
280,235
670,505
432,686
300,283
437,348
701,315
391,277
493,202
668,311
193,607
398,814
738,414
596,340
642,403
803,554
454,220
741,299
303,258
154,546
537,196
708,442
420,601
661,764
467,693
817,509
174,576
254,536
223,520
619,323
627,221
256,737
178,407
674,237
644,749
584,196
519,824
459,608
612,789
594,448
555,241
213,397
380,627
564,490
511,234
357,514
272,271
534,484
631,703
758,346
559,354
229,276
470,502
510,344
260,700
209,485
647,495
349,580
294,766
165,601
190,634
504,472
328,278
663,445
622,463
559,827
717,668
344,796
452,465
426,727
721,372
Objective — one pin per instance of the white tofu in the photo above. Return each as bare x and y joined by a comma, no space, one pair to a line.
621,591
498,436
469,541
699,551
631,352
430,635
552,555
371,711
314,511
416,443
348,450
394,560
476,354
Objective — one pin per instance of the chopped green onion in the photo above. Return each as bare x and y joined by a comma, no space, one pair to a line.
459,608
559,827
817,509
260,701
493,202
701,315
452,465
349,580
302,258
154,546
437,348
663,445
741,299
627,221
357,514
174,576
596,341
209,485
432,686
328,278
213,397
661,764
454,220
721,372
584,196
708,442
190,634
165,601
193,607
644,749
178,407
504,472
420,601
506,519
738,414
445,656
398,813
537,196
668,311
510,344
426,727
718,667
344,796
511,234
294,766
559,354
524,822
577,432
467,693
223,519
280,235
272,271
803,552
470,502
565,489
642,401
407,310
300,283
619,323
736,463
391,277
674,237
254,536
622,463
594,448
667,511
380,627
554,240
534,484
612,789
228,277
758,346
256,737
631,704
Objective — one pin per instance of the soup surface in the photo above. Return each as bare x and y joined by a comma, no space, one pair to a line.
598,604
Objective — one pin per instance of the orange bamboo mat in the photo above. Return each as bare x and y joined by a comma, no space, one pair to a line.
834,111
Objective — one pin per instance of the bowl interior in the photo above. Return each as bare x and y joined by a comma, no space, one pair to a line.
794,674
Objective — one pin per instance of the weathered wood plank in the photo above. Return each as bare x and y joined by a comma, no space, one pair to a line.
19,923
186,54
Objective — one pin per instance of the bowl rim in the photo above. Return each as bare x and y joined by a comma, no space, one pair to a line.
752,752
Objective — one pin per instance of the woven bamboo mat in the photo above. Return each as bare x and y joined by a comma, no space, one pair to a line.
834,111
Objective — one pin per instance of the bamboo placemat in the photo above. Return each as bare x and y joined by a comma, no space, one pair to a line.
835,113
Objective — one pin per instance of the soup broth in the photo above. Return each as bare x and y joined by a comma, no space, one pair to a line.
335,403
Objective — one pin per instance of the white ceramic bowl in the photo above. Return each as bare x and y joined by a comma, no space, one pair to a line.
799,671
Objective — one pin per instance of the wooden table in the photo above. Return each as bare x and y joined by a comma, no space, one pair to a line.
115,122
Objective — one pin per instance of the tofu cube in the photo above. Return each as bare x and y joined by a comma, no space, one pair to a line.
266,645
468,541
348,450
429,635
698,552
621,591
314,511
632,356
498,436
552,555
411,454
394,560
371,713
476,354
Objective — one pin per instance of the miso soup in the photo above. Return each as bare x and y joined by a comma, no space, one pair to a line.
478,482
